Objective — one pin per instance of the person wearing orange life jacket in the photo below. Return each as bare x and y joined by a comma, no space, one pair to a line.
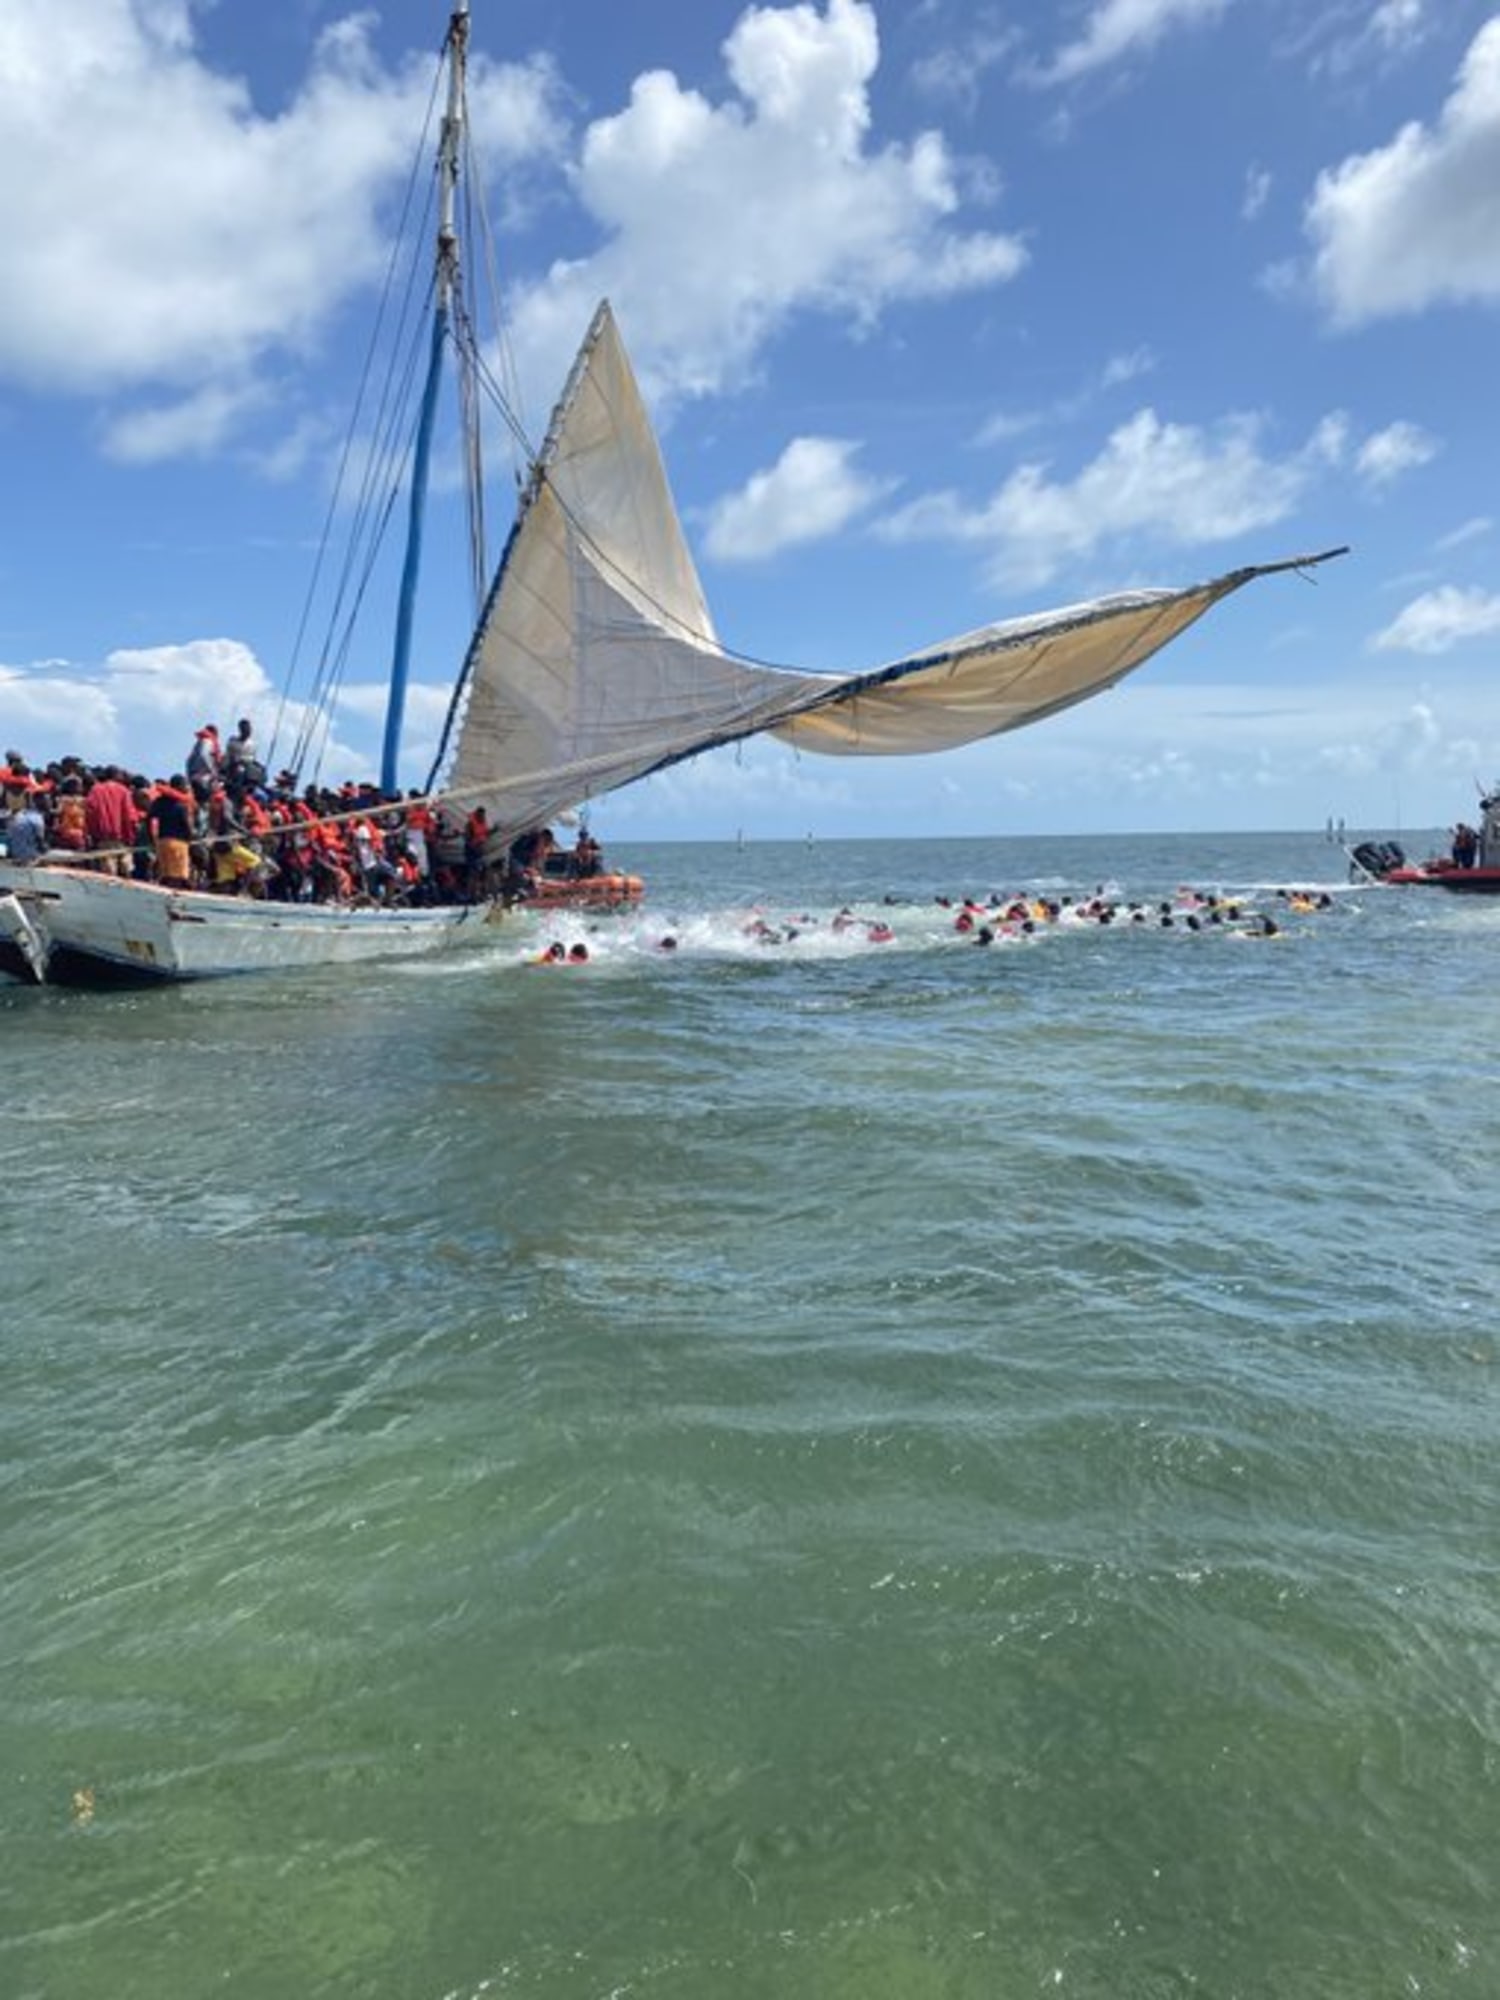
332,875
476,840
171,821
416,844
70,818
235,864
254,817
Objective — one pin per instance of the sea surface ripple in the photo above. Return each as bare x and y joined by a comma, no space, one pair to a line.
797,1470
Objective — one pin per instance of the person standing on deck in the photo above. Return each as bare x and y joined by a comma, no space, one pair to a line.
26,835
109,819
171,820
204,760
241,761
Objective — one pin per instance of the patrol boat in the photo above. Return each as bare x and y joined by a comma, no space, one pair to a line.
1386,860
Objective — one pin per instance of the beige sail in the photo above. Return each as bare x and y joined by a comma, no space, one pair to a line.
596,661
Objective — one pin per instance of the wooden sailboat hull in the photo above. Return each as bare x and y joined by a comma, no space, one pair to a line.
100,929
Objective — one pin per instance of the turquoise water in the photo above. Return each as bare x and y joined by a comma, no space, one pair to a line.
823,1469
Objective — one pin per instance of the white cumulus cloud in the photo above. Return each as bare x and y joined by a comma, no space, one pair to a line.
1400,447
1412,224
1439,620
1168,482
139,709
720,220
158,231
813,490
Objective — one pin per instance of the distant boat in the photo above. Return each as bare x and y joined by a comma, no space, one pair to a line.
594,662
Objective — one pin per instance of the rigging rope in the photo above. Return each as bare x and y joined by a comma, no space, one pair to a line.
318,694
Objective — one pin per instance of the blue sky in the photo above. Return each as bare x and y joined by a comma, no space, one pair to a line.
948,312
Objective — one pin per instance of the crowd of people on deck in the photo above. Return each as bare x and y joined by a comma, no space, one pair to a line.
222,824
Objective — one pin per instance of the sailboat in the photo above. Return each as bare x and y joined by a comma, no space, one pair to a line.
593,663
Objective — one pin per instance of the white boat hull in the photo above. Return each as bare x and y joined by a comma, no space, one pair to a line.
99,927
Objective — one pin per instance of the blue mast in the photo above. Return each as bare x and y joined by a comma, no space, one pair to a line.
447,270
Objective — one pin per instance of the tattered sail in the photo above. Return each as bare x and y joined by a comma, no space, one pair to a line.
595,660
596,663
1005,676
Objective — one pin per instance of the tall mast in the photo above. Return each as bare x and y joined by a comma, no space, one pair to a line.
446,279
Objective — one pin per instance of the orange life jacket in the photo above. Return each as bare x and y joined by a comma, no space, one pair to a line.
69,828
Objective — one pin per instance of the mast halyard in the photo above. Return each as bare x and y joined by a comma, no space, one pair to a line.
445,282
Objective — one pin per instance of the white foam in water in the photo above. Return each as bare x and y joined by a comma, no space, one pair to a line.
746,933
753,931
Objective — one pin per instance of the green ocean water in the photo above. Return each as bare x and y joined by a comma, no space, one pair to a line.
833,1470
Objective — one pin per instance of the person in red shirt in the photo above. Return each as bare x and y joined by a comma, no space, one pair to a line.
110,819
